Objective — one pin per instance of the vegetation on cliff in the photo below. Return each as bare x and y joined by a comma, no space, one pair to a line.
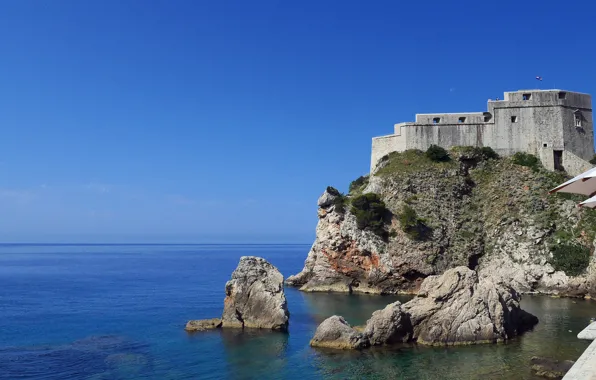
370,213
465,199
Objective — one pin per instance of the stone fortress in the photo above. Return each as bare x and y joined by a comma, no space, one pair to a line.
554,125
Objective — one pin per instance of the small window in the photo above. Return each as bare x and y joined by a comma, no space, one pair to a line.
461,120
545,145
514,119
578,119
526,96
562,95
487,117
436,120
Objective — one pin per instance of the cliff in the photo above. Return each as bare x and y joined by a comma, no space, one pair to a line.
493,215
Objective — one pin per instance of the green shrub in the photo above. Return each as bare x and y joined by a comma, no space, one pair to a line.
370,213
437,154
413,226
593,160
340,200
358,183
572,259
488,153
526,159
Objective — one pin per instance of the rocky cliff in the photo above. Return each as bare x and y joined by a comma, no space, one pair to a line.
493,215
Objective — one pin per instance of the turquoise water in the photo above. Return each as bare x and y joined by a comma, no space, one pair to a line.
118,312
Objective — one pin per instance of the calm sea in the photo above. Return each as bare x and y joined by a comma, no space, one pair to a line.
118,312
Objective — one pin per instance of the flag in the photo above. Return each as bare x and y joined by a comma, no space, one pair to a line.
539,78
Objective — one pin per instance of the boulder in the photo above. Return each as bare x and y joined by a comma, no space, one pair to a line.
335,332
387,326
550,368
327,198
255,296
203,324
457,308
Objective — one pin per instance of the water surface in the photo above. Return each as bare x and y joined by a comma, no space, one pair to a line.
110,312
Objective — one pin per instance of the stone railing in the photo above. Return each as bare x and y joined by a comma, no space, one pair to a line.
585,367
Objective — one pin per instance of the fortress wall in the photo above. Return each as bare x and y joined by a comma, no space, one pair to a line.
578,140
421,136
384,145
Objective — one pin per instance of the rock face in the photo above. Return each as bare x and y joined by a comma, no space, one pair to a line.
254,299
550,369
335,332
203,324
457,308
387,326
255,296
492,216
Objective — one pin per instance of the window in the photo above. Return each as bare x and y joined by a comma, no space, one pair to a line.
436,120
487,117
514,119
562,95
526,96
578,119
544,145
461,120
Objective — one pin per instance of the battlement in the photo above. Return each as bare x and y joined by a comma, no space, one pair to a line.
551,124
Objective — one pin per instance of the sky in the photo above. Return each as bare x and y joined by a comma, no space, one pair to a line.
223,121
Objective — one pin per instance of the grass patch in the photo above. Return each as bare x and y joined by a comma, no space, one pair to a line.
526,159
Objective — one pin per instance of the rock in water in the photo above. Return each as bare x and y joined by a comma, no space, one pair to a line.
455,308
255,296
203,324
390,325
549,368
335,332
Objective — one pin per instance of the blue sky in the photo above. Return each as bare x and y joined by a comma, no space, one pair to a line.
223,121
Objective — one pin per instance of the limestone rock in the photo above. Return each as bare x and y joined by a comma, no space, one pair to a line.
389,325
335,332
326,199
457,308
203,324
549,368
255,296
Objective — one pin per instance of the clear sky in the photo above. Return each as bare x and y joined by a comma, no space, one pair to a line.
221,121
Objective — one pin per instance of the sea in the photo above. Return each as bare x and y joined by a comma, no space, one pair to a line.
111,312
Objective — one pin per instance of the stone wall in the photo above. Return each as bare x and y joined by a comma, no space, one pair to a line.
536,122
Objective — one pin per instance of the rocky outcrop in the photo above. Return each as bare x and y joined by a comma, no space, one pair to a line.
457,308
389,325
255,296
549,368
335,332
492,216
203,324
254,299
452,309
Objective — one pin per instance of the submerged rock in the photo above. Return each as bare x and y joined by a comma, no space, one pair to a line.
255,296
203,324
389,325
335,332
457,308
550,368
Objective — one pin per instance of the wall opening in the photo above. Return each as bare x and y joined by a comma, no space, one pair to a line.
577,116
545,145
558,159
562,95
436,120
526,96
461,120
487,117
514,119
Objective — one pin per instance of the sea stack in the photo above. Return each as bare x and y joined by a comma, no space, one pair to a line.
254,299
